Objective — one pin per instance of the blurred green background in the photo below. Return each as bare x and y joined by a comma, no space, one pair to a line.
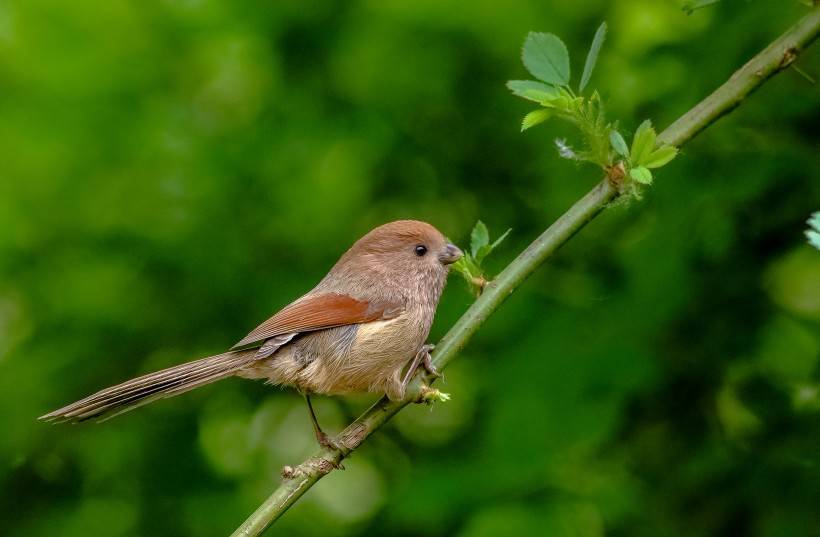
172,172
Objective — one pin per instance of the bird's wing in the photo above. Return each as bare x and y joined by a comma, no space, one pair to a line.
317,312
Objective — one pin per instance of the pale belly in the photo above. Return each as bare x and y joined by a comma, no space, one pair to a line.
368,357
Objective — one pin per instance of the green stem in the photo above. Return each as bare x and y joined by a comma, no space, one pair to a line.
777,56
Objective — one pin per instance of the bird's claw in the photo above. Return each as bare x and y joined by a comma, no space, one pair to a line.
422,358
329,443
427,363
326,441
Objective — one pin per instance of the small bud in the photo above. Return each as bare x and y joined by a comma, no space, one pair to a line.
430,395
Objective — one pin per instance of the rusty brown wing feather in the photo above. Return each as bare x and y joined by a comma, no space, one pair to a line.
317,312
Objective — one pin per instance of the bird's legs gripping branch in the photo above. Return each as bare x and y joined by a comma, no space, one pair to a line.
321,437
421,358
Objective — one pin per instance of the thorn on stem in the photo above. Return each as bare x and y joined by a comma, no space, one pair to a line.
788,58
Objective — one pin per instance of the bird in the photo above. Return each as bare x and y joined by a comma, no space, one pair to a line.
362,328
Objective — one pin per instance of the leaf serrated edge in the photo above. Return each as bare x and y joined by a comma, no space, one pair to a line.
560,80
534,118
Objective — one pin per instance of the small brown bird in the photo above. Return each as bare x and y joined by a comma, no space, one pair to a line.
358,330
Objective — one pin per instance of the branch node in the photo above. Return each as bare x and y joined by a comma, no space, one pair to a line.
324,466
615,175
788,58
314,465
290,472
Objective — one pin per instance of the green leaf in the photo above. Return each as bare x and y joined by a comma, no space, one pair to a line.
661,156
500,239
592,56
547,58
485,250
814,238
814,221
618,143
814,234
479,237
467,267
642,143
460,266
641,175
534,91
535,117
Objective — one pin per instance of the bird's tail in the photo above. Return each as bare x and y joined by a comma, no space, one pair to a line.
136,392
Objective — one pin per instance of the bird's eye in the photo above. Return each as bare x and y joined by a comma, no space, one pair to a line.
421,250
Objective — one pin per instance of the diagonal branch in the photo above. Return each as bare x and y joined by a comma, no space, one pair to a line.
776,57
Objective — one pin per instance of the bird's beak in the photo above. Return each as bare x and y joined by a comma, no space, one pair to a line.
450,255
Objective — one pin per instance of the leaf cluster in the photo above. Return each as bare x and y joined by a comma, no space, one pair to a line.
546,57
470,265
643,155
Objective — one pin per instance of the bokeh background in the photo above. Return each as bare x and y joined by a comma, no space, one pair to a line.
172,172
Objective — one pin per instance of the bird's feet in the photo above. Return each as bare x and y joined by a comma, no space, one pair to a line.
426,362
326,441
422,358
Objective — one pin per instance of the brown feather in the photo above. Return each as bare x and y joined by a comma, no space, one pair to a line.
141,390
317,312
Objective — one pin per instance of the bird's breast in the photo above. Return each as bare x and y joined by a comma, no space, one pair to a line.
387,343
